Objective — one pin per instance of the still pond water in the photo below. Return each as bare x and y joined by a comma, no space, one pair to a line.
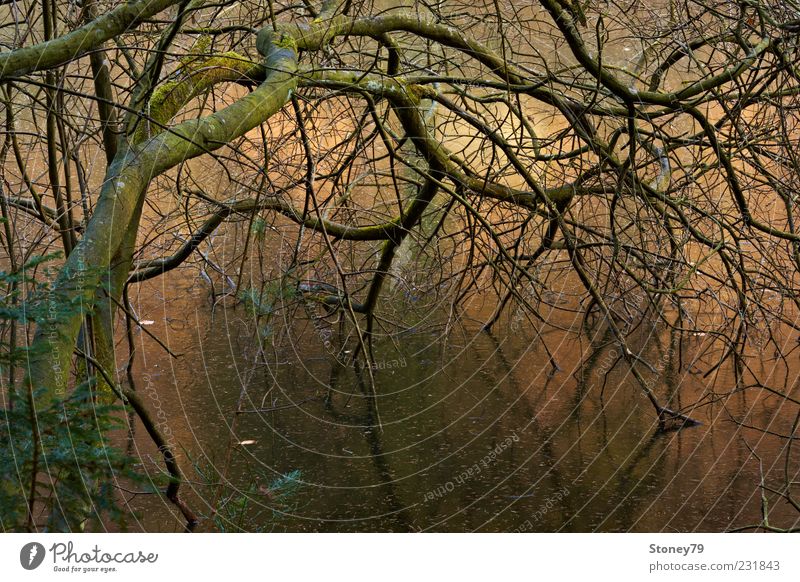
475,433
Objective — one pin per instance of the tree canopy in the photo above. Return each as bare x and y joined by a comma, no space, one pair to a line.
646,151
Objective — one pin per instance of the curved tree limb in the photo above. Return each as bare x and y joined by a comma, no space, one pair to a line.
80,41
120,199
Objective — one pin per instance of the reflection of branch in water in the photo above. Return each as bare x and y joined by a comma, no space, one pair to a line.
366,421
663,371
622,499
786,490
153,428
533,427
589,363
784,493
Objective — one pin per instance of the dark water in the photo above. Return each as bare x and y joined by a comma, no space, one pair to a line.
475,433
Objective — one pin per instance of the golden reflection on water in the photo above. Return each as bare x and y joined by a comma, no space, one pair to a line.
476,433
